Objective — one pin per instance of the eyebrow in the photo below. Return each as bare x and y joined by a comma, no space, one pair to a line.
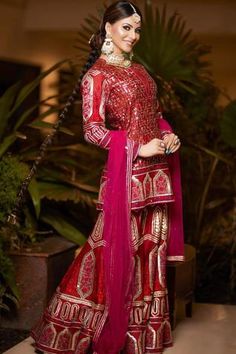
126,23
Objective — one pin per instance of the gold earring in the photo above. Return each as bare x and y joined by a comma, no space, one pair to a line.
108,46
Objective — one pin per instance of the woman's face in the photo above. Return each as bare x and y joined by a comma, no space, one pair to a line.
125,34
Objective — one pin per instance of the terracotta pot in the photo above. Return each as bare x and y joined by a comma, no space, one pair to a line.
39,270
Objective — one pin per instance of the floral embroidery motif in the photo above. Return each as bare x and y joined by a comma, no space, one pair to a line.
82,347
146,187
162,183
48,335
64,340
86,276
150,338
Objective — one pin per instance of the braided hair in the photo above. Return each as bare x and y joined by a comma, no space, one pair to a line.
113,13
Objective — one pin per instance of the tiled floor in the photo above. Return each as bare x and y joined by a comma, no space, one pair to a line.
211,330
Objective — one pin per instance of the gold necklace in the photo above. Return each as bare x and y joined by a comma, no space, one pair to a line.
118,60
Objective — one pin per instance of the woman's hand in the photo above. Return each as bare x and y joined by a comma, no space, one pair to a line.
172,143
169,144
153,148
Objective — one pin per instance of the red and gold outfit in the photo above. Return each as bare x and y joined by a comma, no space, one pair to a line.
125,99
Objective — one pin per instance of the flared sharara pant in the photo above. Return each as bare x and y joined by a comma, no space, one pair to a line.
75,314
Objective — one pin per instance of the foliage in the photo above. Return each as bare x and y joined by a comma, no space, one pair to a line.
168,51
8,289
228,124
59,172
13,168
10,102
12,173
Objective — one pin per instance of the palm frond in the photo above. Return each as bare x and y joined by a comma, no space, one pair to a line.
166,48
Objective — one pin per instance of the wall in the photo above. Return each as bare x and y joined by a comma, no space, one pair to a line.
43,32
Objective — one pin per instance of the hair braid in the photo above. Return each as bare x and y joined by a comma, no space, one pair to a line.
13,216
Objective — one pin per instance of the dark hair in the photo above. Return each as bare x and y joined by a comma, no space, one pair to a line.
115,12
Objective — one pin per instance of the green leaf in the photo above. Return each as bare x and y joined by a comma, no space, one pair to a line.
6,102
228,124
47,113
215,203
35,196
24,116
7,142
27,89
166,50
40,124
63,227
4,307
12,298
59,191
11,283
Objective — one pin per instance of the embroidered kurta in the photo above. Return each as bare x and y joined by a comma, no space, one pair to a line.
116,98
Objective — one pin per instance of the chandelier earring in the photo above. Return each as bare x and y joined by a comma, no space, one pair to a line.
108,46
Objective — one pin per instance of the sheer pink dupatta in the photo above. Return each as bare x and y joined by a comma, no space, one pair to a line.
175,250
117,251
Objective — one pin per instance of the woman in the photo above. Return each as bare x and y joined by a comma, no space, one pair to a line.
113,299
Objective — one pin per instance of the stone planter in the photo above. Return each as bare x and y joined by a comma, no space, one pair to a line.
38,272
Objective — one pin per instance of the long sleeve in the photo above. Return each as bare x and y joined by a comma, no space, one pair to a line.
164,126
95,92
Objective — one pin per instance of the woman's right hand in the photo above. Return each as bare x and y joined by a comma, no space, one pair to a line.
153,148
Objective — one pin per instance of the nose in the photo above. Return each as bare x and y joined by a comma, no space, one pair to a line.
133,35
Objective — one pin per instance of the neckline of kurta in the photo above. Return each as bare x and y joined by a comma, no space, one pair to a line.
114,66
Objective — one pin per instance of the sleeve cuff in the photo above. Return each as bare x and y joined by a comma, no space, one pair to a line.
165,132
136,149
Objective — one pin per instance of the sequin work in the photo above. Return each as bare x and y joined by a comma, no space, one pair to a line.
126,99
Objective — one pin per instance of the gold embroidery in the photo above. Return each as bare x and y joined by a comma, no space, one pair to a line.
150,338
75,340
156,307
175,258
134,231
77,300
161,183
132,344
86,275
64,340
147,183
138,279
161,263
65,311
82,347
98,228
152,266
156,222
48,335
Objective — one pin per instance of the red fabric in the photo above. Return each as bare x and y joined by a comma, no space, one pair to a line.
77,312
117,251
126,99
176,240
